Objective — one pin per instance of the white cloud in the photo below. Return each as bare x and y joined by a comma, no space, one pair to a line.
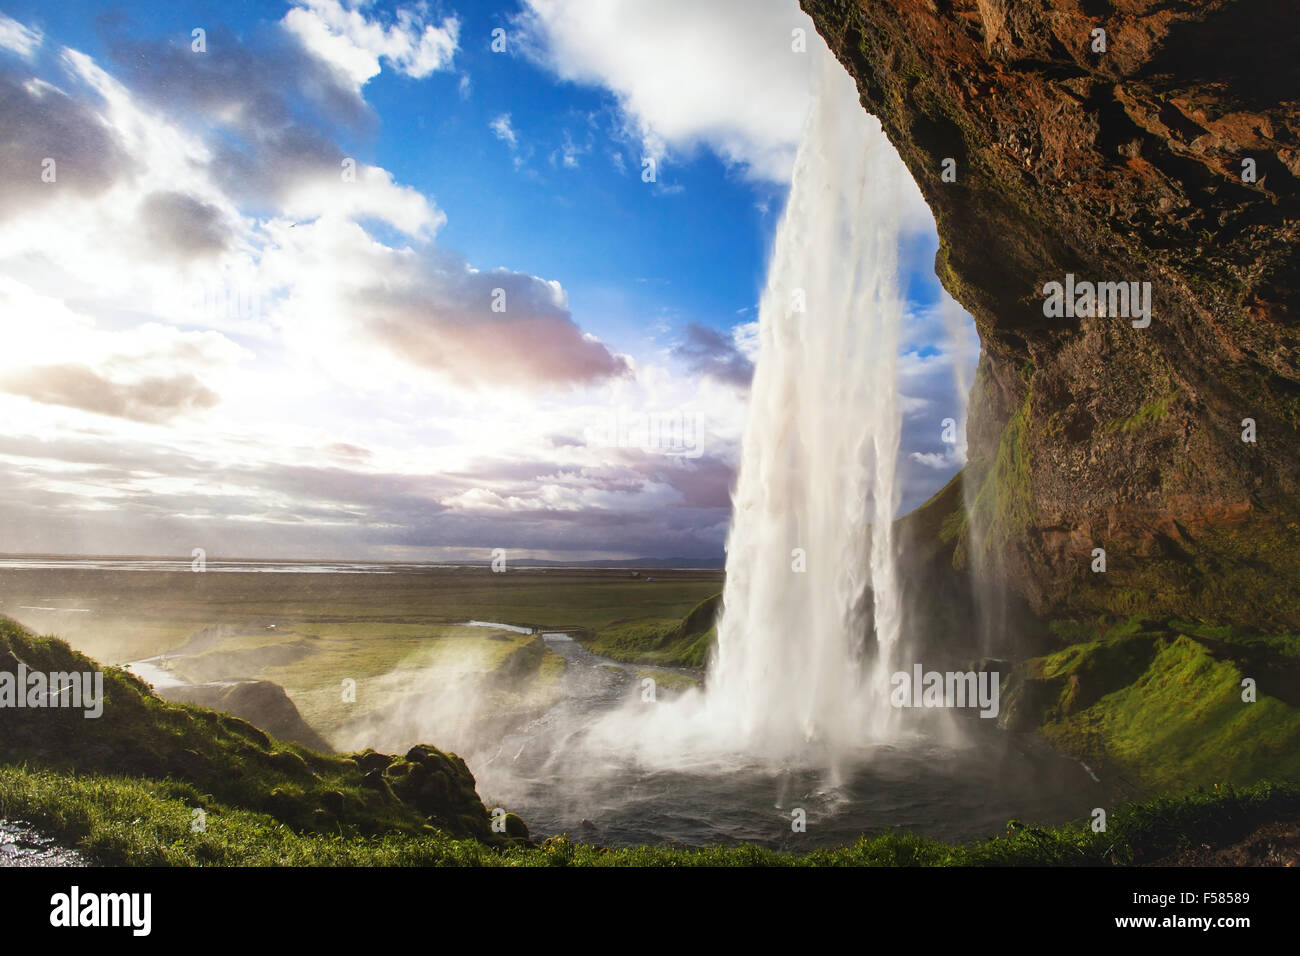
202,358
721,74
340,34
503,131
20,39
568,153
936,460
367,311
149,373
372,194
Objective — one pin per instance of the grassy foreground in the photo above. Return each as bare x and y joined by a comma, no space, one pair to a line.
122,821
223,763
124,789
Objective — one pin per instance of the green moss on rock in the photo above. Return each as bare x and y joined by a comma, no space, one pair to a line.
1162,707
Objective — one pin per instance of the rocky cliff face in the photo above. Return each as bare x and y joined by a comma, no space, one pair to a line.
1166,151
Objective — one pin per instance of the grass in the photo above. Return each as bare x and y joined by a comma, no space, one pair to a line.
124,821
1162,701
386,632
120,821
684,642
169,607
1183,719
1286,645
226,760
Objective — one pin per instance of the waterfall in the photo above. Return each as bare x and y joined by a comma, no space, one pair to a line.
812,615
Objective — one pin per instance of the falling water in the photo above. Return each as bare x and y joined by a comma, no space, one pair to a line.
812,607
812,616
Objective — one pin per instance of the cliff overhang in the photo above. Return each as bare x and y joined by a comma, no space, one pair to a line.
1138,141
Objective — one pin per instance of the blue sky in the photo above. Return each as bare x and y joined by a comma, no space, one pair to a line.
220,343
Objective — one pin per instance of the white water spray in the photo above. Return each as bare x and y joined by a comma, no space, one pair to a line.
812,618
817,478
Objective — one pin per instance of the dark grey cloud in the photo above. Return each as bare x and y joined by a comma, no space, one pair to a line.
508,470
183,227
651,532
100,451
39,122
154,399
709,352
704,482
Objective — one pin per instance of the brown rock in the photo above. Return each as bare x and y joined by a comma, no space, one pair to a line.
1117,166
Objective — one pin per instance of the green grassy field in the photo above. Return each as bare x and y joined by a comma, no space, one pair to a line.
131,615
390,634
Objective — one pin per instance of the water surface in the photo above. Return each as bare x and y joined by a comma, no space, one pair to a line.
953,791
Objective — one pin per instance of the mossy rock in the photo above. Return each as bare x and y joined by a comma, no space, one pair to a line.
290,763
515,827
369,760
1026,700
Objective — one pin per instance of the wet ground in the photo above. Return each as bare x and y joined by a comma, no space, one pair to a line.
23,845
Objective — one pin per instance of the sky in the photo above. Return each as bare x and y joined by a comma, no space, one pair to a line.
366,280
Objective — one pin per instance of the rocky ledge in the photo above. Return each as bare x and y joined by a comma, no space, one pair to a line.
1134,141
